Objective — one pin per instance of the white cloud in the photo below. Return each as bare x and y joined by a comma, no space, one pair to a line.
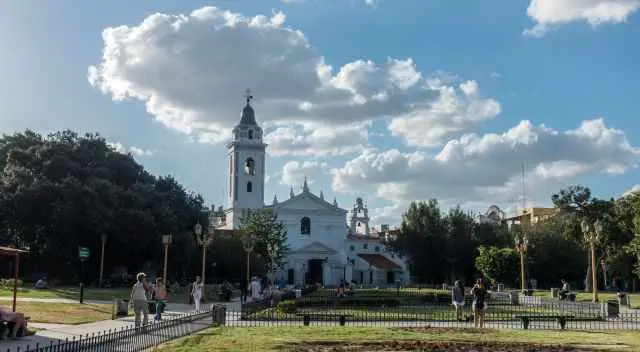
371,3
191,70
548,14
486,169
294,172
632,190
135,151
432,123
317,140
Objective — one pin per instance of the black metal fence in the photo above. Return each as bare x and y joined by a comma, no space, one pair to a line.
132,338
386,307
419,307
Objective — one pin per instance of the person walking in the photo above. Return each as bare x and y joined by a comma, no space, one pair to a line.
160,292
139,299
457,299
479,292
196,292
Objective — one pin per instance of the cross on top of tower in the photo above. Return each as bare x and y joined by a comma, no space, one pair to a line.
248,96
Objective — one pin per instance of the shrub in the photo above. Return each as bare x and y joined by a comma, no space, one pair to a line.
287,307
347,302
8,283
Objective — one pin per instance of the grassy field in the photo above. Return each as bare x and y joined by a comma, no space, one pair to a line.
587,297
90,293
378,338
64,313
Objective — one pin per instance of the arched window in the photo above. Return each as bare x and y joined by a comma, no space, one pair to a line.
305,226
250,134
250,166
249,187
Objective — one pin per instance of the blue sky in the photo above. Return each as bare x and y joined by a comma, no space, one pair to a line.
571,72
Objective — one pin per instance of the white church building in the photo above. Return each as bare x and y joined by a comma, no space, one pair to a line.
323,247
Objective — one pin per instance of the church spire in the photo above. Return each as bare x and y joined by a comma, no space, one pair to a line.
321,195
291,194
248,116
275,200
305,186
335,202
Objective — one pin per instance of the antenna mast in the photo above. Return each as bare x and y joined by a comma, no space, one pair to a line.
524,188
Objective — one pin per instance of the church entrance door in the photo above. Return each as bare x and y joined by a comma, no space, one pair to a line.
391,277
315,271
291,277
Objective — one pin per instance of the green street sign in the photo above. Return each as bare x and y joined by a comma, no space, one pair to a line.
83,252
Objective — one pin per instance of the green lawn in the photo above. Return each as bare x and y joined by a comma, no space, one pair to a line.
90,293
407,339
587,296
419,313
64,313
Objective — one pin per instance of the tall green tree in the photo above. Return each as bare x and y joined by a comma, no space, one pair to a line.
498,265
552,257
422,240
270,236
576,204
66,190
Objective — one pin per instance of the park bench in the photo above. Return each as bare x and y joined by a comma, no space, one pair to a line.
527,318
224,295
307,317
6,329
571,297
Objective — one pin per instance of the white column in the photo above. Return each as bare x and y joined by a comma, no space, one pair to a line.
300,271
326,274
348,273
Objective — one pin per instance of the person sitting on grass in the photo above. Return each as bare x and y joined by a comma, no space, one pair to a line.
340,289
42,283
17,322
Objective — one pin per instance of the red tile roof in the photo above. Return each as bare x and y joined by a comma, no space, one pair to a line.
379,261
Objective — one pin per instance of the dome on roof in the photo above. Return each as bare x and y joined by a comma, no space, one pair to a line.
248,116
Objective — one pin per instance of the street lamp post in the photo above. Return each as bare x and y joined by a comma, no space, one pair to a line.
204,242
104,242
272,250
522,246
166,240
592,233
249,244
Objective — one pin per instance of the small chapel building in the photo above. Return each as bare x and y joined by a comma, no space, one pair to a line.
323,247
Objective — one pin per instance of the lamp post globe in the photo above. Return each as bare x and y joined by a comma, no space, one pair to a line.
197,229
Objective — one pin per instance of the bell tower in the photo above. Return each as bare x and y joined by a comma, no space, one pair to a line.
360,218
246,153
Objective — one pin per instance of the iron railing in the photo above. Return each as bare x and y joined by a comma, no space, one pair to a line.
134,339
419,307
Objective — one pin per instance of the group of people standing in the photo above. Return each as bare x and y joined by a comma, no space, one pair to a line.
141,293
479,305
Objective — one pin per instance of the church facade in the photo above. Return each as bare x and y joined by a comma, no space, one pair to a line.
323,247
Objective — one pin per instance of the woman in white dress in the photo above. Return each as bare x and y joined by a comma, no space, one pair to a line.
196,292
